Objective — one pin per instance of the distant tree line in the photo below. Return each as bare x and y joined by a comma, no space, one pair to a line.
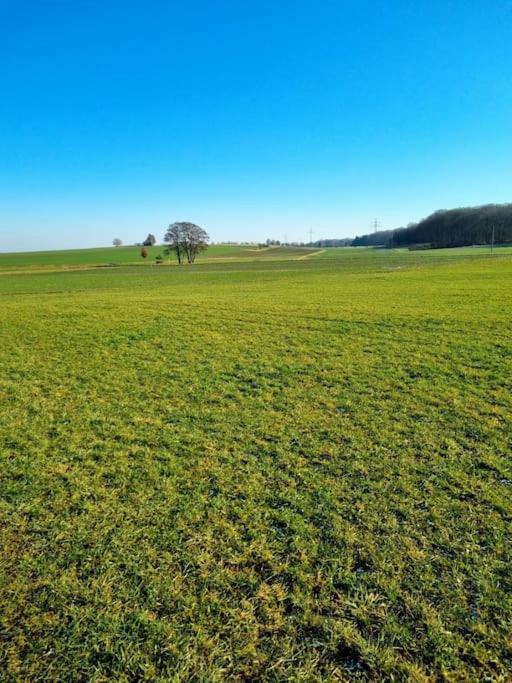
381,238
448,228
344,242
459,227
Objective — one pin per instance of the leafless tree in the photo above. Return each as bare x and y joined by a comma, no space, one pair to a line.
186,240
174,238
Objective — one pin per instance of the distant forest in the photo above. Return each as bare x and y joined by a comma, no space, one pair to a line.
382,238
449,228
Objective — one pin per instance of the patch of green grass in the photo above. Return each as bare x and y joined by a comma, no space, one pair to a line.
274,253
418,256
258,470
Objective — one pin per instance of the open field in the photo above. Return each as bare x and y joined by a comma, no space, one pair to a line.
116,256
125,256
427,254
100,256
257,469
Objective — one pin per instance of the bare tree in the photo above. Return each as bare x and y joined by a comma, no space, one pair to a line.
117,242
174,238
196,240
187,240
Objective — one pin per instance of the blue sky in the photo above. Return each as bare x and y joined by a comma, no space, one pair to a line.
252,119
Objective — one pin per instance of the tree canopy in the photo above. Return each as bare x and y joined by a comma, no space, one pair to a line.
150,241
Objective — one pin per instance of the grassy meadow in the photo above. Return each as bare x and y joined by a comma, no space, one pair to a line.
291,466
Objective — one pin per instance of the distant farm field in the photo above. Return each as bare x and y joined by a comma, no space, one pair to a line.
100,256
116,256
289,467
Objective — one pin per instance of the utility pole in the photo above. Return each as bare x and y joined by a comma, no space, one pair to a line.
376,225
311,236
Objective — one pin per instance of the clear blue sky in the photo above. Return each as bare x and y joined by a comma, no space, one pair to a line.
252,119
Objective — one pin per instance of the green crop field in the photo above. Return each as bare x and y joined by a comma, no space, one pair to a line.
118,256
113,256
291,467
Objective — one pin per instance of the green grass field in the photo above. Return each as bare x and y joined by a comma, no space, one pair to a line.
102,256
257,469
116,256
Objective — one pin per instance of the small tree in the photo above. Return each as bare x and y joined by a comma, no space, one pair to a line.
117,242
186,240
144,252
150,241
